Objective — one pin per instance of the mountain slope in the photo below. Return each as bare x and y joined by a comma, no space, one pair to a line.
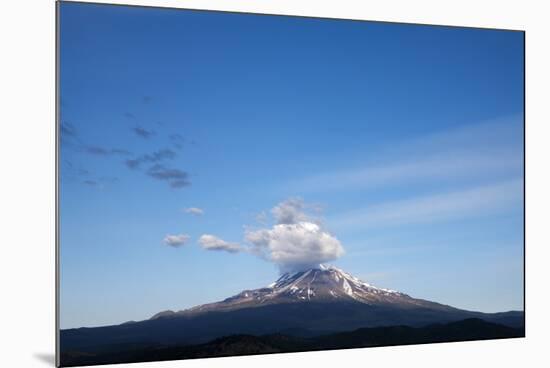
307,303
324,284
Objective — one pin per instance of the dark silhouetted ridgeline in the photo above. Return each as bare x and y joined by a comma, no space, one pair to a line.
464,330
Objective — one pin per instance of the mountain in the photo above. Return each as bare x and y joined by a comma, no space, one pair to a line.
303,304
316,285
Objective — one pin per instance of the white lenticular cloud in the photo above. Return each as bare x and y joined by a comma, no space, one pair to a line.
211,242
176,240
194,211
295,242
294,247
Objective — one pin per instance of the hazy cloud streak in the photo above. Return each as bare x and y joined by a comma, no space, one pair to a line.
468,203
478,151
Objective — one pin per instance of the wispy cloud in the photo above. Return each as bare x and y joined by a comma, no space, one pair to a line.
72,141
194,211
483,150
160,155
101,151
174,177
76,173
69,136
433,169
143,133
212,242
468,203
176,240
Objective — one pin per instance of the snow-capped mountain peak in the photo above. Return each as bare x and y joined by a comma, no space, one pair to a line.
327,282
322,284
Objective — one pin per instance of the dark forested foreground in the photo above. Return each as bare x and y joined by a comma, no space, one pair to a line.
465,330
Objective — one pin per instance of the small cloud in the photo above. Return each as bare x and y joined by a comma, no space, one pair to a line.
143,133
100,151
176,240
194,211
156,156
211,242
176,178
146,99
129,115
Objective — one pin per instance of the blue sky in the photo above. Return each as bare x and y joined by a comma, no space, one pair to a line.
403,142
